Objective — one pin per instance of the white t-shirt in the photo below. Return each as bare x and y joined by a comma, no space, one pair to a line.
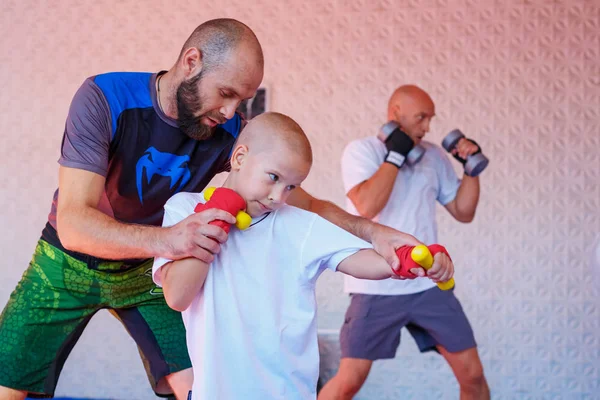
252,331
411,207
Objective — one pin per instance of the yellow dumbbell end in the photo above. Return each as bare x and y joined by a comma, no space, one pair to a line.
446,285
422,256
243,220
208,192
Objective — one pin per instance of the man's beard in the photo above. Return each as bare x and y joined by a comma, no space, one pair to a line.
189,100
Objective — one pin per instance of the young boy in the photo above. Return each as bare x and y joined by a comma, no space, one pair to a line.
251,316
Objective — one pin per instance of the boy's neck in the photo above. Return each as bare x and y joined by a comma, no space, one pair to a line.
229,182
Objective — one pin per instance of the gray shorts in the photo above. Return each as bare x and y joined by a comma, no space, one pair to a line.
371,329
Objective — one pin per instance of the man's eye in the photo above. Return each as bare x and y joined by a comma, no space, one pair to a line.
274,177
225,94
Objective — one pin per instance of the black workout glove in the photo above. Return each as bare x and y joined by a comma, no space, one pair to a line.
399,144
462,160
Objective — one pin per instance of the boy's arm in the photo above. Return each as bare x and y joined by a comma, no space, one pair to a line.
368,264
384,239
182,281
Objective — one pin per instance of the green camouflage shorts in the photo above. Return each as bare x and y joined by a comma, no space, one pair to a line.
54,301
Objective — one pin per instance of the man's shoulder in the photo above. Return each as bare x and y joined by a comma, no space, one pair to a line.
125,89
434,152
366,146
367,142
122,78
431,146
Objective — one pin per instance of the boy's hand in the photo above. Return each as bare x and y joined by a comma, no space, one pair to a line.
443,267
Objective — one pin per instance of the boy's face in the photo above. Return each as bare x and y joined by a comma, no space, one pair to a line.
265,179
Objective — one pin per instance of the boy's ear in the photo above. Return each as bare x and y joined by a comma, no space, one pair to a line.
238,156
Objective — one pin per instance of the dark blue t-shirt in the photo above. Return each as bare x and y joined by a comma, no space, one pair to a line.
116,129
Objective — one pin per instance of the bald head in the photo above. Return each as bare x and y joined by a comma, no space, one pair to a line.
271,158
217,39
407,94
412,108
273,131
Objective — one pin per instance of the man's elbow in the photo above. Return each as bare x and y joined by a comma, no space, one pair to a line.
465,218
68,237
368,214
367,211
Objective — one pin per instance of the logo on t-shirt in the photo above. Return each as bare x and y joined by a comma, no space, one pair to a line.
154,162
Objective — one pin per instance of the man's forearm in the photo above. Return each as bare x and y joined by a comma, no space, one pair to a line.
467,197
92,232
358,226
382,183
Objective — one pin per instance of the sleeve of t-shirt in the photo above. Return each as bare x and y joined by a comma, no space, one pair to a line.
88,131
177,208
326,245
359,163
449,182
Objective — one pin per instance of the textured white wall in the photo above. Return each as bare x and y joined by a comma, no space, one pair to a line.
519,76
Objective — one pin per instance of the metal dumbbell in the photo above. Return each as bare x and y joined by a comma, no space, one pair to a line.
415,154
475,163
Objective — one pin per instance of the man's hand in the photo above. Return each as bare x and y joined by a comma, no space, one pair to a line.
464,148
194,237
442,269
387,240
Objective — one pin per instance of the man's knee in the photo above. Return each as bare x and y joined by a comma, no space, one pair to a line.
352,375
470,375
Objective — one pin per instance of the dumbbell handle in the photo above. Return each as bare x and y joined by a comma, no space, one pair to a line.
451,140
475,163
386,130
415,154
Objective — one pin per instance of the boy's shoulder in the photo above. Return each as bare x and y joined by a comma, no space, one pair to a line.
297,219
291,212
185,201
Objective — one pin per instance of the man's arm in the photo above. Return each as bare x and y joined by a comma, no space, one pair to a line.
385,240
463,207
382,183
83,228
182,280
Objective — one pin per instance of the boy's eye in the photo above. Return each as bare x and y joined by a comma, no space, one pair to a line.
291,187
274,177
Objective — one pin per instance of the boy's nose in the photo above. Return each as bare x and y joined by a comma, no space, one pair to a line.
276,195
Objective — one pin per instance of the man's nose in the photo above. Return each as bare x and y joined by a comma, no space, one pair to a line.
228,110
